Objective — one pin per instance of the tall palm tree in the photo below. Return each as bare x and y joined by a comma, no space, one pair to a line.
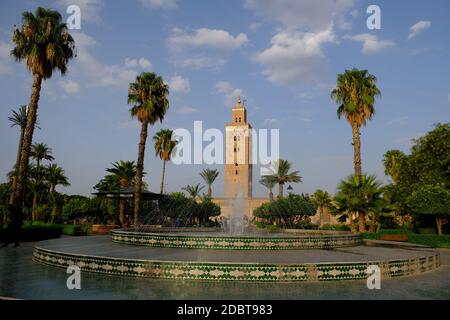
39,152
393,160
125,172
358,194
45,43
269,182
355,94
164,144
283,176
209,176
322,200
149,97
193,191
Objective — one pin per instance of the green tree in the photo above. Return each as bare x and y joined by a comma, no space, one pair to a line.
283,175
209,176
355,94
45,43
149,97
39,152
19,119
432,200
193,191
56,176
125,173
358,195
165,145
322,200
269,182
393,160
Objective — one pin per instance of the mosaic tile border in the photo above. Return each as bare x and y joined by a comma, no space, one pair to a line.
254,272
167,240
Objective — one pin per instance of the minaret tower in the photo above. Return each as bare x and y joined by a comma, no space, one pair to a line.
238,150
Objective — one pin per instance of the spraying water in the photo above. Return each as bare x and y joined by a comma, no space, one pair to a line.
237,222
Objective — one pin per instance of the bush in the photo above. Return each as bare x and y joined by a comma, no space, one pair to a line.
292,211
35,233
423,239
336,227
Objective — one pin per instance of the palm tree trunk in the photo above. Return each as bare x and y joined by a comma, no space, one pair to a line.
162,176
139,172
356,150
35,193
362,221
17,203
122,205
14,179
280,190
209,190
358,169
270,195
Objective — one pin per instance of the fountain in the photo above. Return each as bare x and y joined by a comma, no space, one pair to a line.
237,221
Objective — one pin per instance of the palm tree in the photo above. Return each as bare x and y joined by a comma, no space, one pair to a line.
56,176
125,172
355,94
18,119
358,194
193,191
322,200
149,97
209,176
39,152
283,176
269,182
45,43
393,160
164,148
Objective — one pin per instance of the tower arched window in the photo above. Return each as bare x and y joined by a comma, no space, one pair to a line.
236,172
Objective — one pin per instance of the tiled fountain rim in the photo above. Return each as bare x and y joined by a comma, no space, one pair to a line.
232,271
265,241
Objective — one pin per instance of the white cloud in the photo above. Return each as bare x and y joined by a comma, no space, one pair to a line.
398,121
70,86
295,57
5,58
198,62
229,92
142,62
90,9
205,38
418,28
94,72
179,84
186,110
163,4
203,48
255,26
312,14
371,43
271,122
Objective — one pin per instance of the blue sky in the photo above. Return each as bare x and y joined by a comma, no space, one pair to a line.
282,56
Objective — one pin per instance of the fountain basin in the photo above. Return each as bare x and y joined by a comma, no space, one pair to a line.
98,254
287,240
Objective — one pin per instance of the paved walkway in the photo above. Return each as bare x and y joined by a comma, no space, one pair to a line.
21,278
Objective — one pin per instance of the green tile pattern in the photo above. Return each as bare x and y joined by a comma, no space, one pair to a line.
256,272
236,242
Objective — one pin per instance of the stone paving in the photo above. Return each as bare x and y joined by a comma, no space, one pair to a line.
22,278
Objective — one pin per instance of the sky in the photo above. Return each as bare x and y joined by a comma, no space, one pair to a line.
282,56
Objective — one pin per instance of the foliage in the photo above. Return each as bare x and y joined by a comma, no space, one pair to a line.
283,175
337,227
35,233
291,211
393,161
436,241
193,191
209,176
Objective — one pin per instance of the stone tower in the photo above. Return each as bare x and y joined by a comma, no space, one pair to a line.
238,150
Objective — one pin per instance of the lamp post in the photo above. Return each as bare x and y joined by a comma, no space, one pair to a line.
289,189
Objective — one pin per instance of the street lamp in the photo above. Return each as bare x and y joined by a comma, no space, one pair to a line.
289,189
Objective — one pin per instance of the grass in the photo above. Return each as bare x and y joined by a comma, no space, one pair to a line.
431,240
